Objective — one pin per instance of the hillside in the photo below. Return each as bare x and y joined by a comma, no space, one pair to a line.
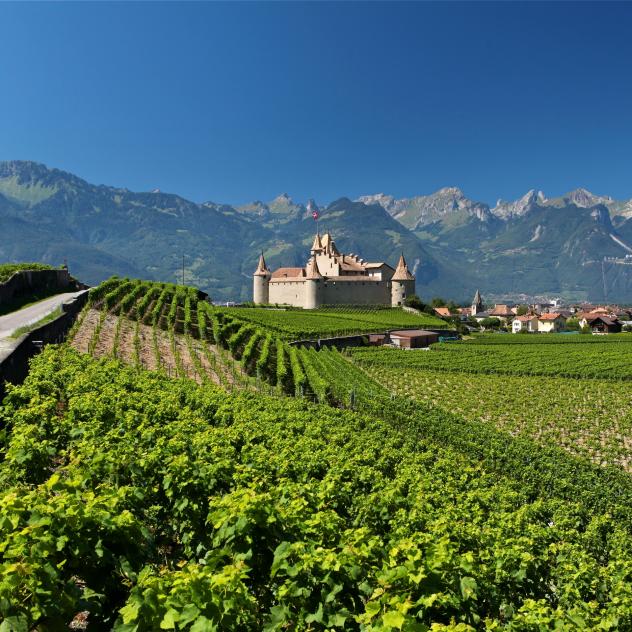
574,245
283,487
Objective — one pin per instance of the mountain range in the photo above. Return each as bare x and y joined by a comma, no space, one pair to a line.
573,246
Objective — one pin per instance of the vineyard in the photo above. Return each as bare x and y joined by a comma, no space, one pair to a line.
167,327
548,339
244,483
589,361
589,418
326,322
137,502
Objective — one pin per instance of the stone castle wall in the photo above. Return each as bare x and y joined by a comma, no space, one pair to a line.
332,293
356,293
287,292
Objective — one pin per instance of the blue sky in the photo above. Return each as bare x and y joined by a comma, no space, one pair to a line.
241,101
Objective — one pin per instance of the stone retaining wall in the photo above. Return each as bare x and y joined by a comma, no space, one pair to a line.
26,282
14,367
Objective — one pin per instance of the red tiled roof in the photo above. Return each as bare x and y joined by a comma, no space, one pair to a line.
501,310
288,273
442,311
551,316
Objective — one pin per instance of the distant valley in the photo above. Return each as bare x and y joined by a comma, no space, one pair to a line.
573,246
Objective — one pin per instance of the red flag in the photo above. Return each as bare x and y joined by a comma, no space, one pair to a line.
313,209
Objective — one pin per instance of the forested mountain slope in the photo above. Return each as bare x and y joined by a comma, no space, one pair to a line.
574,245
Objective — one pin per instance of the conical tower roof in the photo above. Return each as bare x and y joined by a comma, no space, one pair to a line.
477,298
262,268
312,271
317,245
402,273
326,242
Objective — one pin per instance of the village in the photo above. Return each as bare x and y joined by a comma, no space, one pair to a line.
543,317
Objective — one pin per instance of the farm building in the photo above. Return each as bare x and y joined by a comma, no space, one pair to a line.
413,338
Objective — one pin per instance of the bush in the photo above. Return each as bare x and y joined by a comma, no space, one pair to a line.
415,302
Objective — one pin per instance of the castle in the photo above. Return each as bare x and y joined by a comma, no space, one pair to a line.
333,278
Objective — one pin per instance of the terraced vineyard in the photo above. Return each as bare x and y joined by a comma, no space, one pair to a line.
167,327
133,322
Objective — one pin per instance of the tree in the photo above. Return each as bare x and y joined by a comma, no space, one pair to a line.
522,310
437,301
572,324
490,323
415,302
453,307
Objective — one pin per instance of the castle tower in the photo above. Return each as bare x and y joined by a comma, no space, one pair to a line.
402,283
477,304
313,285
261,283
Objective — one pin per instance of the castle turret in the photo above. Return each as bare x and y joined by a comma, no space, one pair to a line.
261,283
402,283
477,304
317,246
313,285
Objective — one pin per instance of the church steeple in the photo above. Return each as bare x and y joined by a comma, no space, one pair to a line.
477,304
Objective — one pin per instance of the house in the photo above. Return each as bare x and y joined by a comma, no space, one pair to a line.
331,277
413,338
442,312
480,316
503,312
551,322
528,322
600,324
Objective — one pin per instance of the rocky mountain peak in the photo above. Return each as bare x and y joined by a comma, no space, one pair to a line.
385,201
583,197
530,200
421,210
